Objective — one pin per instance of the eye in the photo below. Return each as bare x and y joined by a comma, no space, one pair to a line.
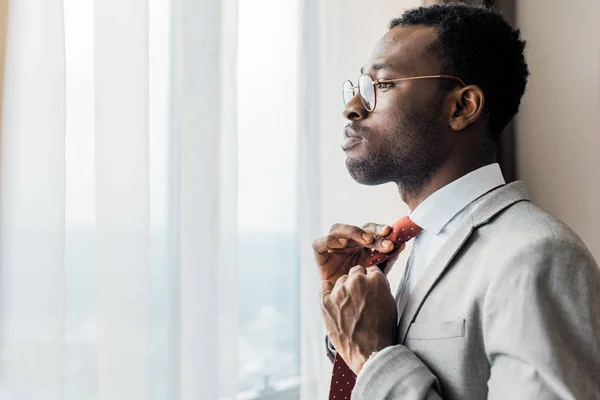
383,85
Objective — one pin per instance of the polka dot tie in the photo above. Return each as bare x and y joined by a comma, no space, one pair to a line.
342,377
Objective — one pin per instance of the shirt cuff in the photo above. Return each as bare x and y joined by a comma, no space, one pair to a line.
330,346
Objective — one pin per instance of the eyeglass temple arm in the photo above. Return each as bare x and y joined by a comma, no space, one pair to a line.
420,77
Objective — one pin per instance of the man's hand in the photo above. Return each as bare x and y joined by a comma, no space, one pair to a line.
360,314
347,246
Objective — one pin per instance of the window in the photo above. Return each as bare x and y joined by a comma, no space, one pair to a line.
269,351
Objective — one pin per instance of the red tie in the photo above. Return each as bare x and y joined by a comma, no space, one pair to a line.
342,378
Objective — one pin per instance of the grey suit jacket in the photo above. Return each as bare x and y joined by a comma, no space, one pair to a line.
508,309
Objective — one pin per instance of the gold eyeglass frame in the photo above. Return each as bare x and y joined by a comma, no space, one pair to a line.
356,89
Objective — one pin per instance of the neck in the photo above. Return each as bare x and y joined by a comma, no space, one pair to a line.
448,172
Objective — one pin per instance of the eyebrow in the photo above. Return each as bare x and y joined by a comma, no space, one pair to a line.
377,66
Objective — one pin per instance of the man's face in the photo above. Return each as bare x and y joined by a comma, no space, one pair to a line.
404,139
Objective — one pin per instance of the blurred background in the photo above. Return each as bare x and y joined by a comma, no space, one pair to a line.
166,164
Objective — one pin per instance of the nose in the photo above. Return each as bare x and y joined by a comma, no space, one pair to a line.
354,110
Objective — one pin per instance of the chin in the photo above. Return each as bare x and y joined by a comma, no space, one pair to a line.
364,173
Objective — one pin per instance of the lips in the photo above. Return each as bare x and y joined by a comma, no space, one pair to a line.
350,142
351,139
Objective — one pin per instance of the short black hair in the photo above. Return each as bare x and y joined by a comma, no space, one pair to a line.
479,46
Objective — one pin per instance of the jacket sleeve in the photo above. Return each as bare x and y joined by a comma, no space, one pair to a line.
396,373
541,324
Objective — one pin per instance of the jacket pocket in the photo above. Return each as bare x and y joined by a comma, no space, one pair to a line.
436,331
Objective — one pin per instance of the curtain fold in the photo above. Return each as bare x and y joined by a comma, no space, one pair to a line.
313,364
32,203
204,116
147,186
122,197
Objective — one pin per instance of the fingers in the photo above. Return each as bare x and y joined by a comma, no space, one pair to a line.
355,278
326,243
358,269
371,271
354,273
357,272
341,236
376,273
351,232
377,229
355,282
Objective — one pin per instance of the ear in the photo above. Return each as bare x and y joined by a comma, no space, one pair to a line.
466,107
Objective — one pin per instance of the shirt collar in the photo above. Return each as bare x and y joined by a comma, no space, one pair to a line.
434,213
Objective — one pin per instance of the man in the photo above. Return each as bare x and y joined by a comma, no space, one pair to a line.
499,299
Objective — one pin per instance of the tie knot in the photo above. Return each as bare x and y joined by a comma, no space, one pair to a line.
404,230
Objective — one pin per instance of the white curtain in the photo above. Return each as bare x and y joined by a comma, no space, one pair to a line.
32,204
118,200
315,367
118,189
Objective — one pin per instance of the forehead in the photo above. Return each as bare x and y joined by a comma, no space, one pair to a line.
406,50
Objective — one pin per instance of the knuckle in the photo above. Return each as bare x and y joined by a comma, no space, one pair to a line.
352,279
316,243
331,239
355,268
379,278
369,225
356,230
335,227
339,282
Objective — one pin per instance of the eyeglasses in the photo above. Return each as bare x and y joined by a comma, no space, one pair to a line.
366,88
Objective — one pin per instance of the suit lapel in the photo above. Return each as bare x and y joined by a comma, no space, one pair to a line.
431,275
495,202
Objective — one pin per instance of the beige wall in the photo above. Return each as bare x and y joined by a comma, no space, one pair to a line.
3,27
558,128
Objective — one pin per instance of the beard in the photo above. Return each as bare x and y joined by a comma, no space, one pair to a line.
408,154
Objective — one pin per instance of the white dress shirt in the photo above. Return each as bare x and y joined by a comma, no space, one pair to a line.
440,215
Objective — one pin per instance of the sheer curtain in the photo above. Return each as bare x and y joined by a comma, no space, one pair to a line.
119,220
118,200
32,204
